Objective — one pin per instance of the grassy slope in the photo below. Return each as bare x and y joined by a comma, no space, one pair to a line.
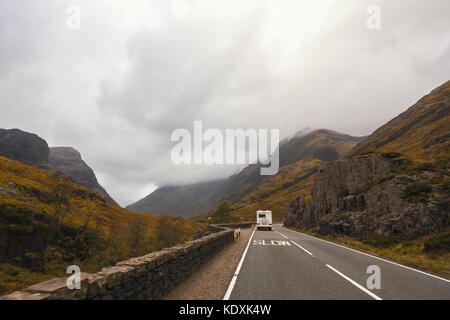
37,245
275,193
427,121
292,181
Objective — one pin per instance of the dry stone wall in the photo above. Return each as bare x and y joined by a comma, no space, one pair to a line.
144,278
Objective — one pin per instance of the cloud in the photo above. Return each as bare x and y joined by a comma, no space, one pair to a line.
117,88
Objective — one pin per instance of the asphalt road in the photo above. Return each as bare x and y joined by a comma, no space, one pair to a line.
286,265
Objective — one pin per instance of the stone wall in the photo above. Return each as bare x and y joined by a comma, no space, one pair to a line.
243,225
144,278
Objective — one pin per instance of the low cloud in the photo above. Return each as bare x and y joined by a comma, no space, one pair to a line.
133,73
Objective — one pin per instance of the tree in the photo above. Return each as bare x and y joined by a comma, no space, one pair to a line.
222,214
169,231
117,241
136,236
60,193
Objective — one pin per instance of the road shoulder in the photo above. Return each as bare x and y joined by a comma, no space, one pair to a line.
211,281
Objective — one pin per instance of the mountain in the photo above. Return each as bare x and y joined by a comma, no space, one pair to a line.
393,185
422,132
319,146
68,161
300,158
32,150
25,147
185,201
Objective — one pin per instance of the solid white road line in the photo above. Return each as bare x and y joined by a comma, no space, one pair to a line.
372,256
302,248
355,284
238,269
282,235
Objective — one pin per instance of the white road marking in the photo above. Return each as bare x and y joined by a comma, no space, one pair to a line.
369,255
282,235
302,248
238,269
276,243
355,283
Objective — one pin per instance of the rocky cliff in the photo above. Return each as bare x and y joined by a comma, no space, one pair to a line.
68,161
25,147
368,198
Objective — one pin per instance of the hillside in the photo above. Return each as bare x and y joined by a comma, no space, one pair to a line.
184,201
422,132
32,150
392,190
48,222
300,158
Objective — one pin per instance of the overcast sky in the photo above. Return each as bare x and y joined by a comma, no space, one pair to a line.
136,70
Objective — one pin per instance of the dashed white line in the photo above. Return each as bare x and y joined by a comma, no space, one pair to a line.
302,248
355,283
238,269
372,256
282,235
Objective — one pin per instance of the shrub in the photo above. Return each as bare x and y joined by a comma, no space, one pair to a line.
440,243
33,261
222,214
308,199
391,155
418,192
344,193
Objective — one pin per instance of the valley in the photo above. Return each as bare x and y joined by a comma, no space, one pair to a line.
386,194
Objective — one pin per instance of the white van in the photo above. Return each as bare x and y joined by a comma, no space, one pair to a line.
264,220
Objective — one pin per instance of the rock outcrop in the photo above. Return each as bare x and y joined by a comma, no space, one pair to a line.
25,147
68,161
363,198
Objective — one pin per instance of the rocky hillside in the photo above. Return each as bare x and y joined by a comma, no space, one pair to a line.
300,158
32,150
68,161
393,184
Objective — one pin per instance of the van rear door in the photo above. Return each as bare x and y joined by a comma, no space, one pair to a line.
262,219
